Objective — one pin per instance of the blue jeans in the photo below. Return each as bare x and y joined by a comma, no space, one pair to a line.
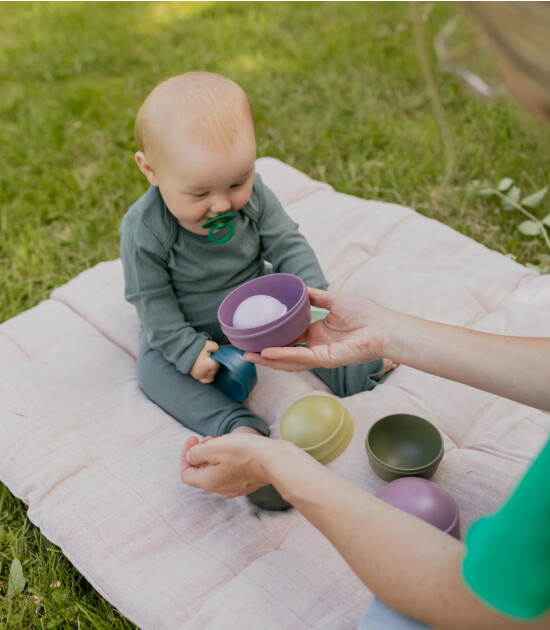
378,616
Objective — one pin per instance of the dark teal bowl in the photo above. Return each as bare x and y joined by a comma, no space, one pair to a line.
235,377
403,445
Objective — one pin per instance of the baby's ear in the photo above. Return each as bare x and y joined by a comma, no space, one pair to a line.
145,167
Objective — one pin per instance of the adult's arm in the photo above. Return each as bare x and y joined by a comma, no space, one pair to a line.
358,330
407,563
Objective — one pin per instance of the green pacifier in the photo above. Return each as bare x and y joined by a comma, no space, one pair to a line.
218,223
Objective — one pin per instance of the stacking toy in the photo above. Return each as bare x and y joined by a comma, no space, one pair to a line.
404,445
320,425
219,223
424,499
235,377
268,498
318,313
258,310
282,331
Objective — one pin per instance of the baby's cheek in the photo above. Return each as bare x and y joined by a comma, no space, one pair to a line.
242,199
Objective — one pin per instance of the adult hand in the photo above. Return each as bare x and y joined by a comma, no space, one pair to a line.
351,333
230,465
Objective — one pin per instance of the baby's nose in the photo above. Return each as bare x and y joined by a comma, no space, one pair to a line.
221,204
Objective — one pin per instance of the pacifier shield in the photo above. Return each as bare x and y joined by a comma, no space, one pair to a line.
219,223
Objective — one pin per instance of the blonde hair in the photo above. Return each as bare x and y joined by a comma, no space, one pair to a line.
205,106
519,32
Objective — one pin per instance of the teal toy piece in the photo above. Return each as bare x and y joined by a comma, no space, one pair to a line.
318,313
235,377
219,223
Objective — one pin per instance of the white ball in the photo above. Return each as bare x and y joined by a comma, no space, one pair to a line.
257,310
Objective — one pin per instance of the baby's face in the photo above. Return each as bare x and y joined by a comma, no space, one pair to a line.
199,182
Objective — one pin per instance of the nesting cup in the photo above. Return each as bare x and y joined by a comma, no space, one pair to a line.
235,377
404,445
320,425
424,499
285,329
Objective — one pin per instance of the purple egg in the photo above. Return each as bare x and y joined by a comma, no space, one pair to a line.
424,499
258,310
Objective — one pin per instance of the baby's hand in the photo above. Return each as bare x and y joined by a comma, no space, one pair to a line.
204,369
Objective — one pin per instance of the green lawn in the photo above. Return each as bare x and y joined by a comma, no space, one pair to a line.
338,92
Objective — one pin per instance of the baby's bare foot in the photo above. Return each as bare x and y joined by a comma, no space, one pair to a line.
388,365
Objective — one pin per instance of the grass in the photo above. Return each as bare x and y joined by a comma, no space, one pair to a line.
338,92
55,595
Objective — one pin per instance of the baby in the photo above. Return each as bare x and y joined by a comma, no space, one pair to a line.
198,152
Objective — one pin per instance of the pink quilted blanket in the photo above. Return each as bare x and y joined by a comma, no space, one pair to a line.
97,463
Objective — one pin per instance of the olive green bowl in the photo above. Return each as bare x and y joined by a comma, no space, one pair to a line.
320,425
403,445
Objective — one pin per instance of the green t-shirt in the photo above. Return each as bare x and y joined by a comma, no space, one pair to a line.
507,559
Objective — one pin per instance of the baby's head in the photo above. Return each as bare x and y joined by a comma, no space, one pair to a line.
197,107
197,144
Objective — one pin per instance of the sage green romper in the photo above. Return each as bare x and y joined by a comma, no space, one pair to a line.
177,280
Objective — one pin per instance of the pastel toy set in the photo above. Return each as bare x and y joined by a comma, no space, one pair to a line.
98,463
399,445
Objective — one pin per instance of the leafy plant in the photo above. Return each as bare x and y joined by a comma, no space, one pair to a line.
16,579
510,196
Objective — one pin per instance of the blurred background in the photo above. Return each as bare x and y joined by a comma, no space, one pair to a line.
337,88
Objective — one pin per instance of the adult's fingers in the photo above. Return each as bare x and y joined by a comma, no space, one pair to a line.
322,299
294,353
195,477
292,359
281,360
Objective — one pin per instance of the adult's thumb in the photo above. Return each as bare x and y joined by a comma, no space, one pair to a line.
322,299
195,455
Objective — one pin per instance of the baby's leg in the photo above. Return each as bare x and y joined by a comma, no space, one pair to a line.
352,379
201,408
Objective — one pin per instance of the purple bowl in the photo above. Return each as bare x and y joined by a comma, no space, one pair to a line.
424,499
283,331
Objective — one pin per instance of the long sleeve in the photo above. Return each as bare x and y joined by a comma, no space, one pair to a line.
148,286
177,280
